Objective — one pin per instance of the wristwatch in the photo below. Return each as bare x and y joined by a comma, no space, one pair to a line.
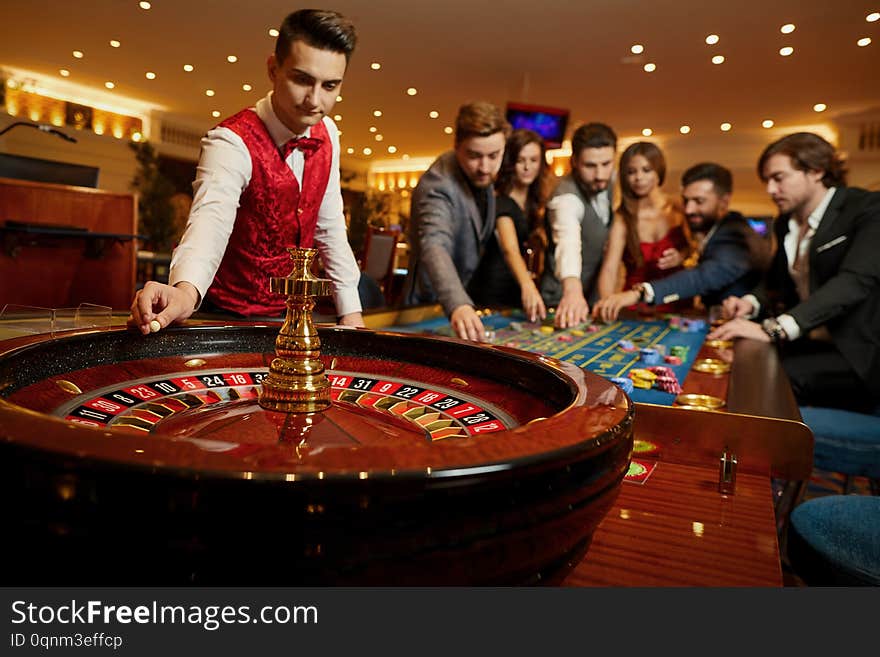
774,329
639,288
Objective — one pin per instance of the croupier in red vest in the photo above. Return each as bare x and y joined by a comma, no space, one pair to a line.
268,179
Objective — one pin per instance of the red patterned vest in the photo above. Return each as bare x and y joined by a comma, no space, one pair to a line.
273,214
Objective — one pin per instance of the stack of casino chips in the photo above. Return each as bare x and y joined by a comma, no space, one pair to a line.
666,379
624,383
649,355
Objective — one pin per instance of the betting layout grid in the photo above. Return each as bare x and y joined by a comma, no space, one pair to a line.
593,346
143,404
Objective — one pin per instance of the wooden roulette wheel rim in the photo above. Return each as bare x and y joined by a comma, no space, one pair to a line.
515,507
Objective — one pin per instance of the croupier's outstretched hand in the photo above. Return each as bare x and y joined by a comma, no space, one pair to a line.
162,304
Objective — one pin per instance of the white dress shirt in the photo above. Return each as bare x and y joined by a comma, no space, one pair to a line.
568,215
223,173
792,247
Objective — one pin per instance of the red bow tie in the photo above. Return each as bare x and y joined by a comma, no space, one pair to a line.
306,144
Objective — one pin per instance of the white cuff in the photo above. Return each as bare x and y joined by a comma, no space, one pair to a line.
756,305
792,330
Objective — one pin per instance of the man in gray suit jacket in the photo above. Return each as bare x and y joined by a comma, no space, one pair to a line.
821,295
453,217
578,216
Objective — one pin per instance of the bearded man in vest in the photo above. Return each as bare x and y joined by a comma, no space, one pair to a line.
268,179
578,216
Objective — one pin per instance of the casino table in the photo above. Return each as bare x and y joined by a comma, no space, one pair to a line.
130,458
671,525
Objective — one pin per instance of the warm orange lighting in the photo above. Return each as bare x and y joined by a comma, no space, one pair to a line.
685,129
209,92
767,123
647,132
718,59
786,51
188,68
637,49
114,43
725,127
788,28
433,114
412,91
650,67
375,66
246,87
377,113
820,107
273,32
150,75
712,39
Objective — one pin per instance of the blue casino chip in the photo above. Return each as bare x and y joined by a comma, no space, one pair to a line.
624,382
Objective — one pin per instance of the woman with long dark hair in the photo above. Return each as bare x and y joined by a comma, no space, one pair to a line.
522,189
649,234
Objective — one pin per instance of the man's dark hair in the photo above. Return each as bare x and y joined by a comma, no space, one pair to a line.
808,152
319,28
592,135
719,176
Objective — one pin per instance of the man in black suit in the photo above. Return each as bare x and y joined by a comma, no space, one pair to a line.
732,255
821,295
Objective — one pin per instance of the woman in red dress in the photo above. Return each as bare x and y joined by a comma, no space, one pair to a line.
649,235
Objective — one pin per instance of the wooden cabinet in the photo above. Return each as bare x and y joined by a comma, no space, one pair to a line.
63,245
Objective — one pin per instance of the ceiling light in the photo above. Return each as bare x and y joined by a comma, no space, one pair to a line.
78,54
231,59
349,150
684,129
433,114
188,68
647,132
215,113
114,43
377,113
136,136
712,39
144,5
379,137
109,85
820,107
650,67
412,91
375,66
725,127
718,59
873,17
637,49
786,51
368,151
788,28
246,87
338,99
150,75
64,72
405,156
337,117
767,123
447,130
866,41
273,32
372,128
209,92
392,149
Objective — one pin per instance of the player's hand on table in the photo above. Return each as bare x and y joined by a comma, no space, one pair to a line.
533,304
733,307
157,302
466,324
739,328
609,308
572,310
352,319
670,258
